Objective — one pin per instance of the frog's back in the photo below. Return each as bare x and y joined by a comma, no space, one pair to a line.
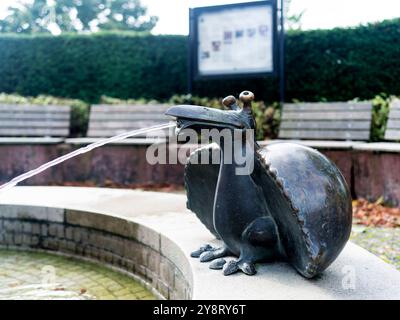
310,202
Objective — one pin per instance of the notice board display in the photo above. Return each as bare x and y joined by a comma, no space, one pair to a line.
233,40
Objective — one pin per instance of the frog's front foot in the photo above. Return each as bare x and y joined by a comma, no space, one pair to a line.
245,266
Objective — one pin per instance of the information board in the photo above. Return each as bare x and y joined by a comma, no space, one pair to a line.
232,40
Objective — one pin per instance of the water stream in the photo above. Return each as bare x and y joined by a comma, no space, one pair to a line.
90,147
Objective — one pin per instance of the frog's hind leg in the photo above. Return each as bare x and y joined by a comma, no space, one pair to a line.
260,241
245,265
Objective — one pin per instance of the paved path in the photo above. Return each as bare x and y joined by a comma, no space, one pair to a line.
356,274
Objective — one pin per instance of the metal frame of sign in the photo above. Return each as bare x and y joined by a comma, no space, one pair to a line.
193,62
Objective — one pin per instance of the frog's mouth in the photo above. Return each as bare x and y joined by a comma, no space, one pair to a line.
198,117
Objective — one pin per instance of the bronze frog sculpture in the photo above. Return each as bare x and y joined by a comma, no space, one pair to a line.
294,204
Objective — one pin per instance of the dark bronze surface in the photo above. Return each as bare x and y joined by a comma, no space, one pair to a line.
294,206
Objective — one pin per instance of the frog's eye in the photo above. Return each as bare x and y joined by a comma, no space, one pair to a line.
230,102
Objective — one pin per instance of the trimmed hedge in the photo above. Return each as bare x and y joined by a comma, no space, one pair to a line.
338,64
85,67
343,64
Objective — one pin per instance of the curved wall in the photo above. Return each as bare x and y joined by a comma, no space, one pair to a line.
109,240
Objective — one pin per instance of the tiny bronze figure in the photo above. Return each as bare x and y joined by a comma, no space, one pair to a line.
292,205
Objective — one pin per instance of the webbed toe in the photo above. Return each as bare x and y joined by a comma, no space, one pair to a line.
217,264
198,252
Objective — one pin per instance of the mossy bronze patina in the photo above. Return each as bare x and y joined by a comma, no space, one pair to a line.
293,205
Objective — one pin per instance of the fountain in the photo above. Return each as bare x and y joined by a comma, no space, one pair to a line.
284,202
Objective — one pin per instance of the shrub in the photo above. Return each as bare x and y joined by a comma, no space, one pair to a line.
380,113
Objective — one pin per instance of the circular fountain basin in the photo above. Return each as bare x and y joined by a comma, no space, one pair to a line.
149,236
112,227
43,276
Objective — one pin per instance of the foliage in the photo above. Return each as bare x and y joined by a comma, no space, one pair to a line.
268,119
380,114
196,100
293,20
77,15
141,101
375,214
79,109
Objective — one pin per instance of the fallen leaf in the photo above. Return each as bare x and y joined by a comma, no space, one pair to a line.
59,289
375,214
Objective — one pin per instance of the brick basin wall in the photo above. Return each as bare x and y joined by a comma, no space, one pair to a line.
120,164
17,159
377,174
109,240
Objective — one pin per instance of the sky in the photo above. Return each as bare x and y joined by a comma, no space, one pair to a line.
319,14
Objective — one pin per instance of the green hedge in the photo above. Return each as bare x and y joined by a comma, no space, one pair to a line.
343,64
85,67
338,64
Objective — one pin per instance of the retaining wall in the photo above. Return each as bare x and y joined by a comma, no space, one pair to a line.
370,174
377,174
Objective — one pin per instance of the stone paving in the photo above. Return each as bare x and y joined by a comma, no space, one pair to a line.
37,276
